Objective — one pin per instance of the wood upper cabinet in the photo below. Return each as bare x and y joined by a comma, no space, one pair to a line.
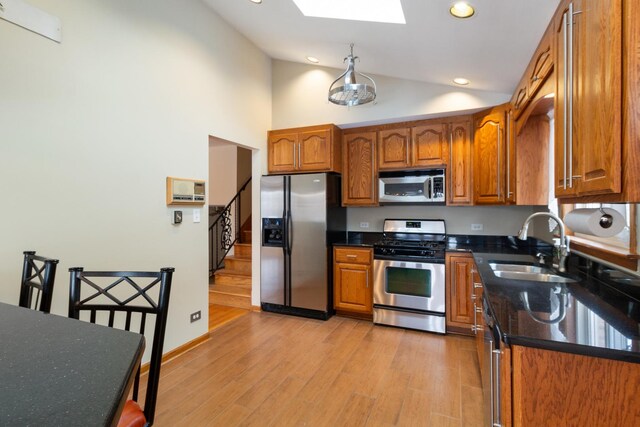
352,280
315,150
541,63
359,177
281,149
588,103
459,171
489,160
310,149
430,145
460,308
394,146
425,145
536,73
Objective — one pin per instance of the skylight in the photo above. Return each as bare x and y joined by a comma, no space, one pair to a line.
388,11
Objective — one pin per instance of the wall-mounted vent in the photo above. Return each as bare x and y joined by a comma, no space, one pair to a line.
183,191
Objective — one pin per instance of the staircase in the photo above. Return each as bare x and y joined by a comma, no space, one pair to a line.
231,285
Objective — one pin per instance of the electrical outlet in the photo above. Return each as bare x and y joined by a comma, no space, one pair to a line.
364,225
195,316
477,227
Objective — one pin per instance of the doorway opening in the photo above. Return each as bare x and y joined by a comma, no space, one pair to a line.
229,231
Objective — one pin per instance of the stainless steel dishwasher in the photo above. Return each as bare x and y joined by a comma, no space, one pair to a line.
491,369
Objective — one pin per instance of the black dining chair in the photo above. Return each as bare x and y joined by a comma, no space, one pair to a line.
38,276
124,299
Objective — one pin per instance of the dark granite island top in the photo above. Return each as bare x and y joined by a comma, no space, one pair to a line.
56,371
598,315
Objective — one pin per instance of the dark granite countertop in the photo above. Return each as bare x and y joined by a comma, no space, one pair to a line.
598,315
361,239
56,371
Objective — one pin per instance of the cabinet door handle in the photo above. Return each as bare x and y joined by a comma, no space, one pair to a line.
451,163
299,150
571,76
294,155
409,145
499,163
508,151
474,328
477,285
367,281
565,103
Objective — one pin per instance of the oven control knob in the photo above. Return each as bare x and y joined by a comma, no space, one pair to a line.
423,253
393,251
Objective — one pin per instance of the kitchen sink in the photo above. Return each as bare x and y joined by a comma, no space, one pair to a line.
519,268
532,276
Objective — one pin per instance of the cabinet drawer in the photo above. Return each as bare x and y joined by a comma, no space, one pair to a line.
353,256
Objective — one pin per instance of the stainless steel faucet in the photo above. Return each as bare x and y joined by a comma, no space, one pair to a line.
562,245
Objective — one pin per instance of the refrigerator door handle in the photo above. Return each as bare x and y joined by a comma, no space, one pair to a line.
289,227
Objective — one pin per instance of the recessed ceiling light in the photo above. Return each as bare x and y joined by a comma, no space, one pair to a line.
256,1
462,9
388,11
313,59
461,81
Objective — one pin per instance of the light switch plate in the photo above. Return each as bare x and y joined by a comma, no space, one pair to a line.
196,215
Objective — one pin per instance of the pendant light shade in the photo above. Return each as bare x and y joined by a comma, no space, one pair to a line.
346,91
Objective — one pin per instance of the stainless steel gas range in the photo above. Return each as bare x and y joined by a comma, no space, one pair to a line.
409,275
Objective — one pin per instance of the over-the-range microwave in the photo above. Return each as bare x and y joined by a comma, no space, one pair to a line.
412,186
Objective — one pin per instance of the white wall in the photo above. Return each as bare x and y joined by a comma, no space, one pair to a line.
90,128
300,98
223,169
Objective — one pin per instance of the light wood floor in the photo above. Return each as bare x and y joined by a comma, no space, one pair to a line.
220,315
264,369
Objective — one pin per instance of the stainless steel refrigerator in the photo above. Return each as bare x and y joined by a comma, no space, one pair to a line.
301,219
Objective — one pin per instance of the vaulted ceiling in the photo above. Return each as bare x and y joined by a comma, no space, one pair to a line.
491,49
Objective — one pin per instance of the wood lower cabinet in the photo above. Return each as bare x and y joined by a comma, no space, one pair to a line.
459,171
309,149
352,280
359,176
459,283
563,389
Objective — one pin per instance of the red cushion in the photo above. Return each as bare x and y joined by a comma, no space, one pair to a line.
132,415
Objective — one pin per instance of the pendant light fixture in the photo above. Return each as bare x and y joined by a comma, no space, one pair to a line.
345,91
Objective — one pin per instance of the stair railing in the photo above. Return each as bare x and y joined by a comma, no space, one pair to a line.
224,232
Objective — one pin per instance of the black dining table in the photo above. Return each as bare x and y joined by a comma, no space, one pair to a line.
56,371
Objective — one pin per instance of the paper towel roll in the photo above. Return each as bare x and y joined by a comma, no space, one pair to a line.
587,221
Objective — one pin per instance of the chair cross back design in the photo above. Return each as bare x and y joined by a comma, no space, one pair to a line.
99,292
38,276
